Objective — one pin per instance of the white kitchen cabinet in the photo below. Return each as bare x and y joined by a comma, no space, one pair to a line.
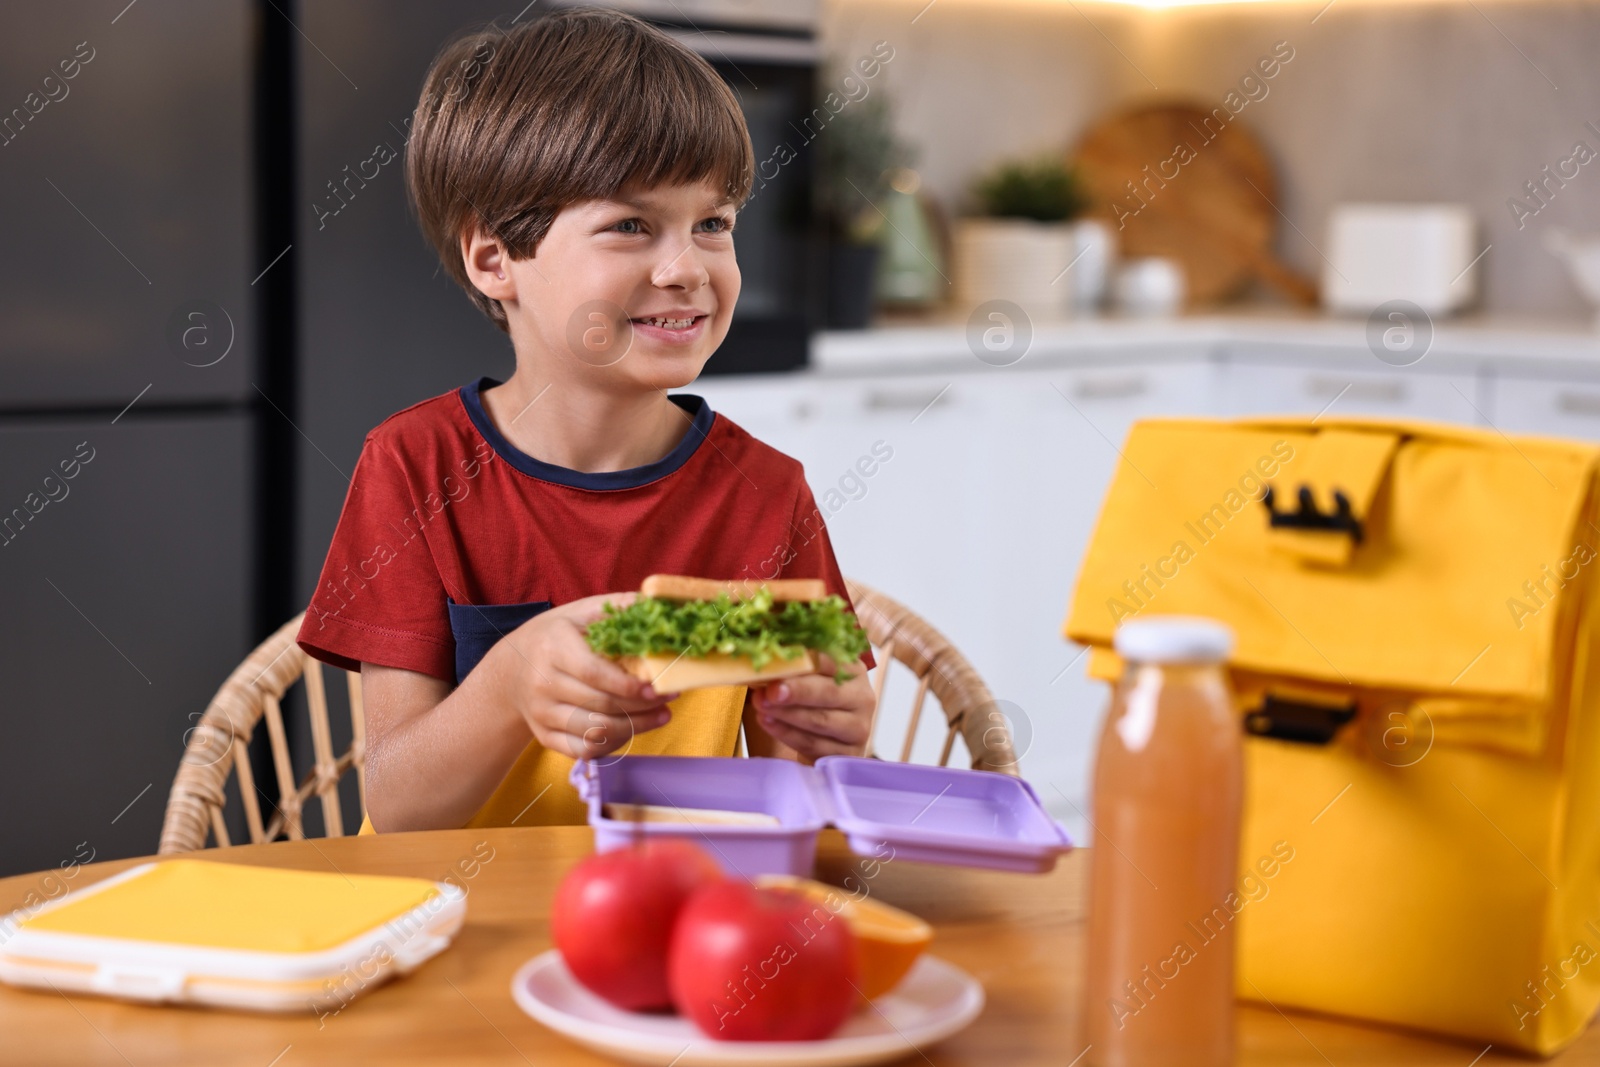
1567,407
1066,432
777,408
897,467
894,481
1354,383
978,519
911,527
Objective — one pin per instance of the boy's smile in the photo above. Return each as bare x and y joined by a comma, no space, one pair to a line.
676,327
626,294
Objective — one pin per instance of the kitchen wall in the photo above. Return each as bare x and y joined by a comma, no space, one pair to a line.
1431,100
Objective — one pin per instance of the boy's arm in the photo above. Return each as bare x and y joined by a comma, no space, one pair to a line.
436,753
434,756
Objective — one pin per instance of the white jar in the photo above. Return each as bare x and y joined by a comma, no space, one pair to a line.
1149,287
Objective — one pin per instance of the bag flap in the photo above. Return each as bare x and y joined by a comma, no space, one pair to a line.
1468,538
1334,480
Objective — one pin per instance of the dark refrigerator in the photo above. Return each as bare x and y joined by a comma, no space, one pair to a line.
126,416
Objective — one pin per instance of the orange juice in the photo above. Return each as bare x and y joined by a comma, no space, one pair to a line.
1159,988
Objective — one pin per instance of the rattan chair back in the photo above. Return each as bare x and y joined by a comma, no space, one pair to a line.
219,745
900,635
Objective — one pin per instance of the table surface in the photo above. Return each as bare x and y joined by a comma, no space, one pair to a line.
1021,935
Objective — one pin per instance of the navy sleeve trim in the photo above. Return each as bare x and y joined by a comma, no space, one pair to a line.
477,627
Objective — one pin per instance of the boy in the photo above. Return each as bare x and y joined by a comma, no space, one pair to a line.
580,184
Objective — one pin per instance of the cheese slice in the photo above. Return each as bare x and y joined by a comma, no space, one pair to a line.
677,674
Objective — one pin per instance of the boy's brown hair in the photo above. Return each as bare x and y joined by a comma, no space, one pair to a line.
514,125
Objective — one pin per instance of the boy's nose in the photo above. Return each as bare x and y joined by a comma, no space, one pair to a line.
683,270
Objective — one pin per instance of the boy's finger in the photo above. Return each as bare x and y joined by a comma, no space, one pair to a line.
595,733
599,672
846,727
807,743
805,691
575,691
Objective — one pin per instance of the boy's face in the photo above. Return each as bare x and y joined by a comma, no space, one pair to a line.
634,293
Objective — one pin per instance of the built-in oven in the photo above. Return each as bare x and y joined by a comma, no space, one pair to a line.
767,52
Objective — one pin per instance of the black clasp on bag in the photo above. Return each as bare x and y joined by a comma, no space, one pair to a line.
1343,520
1291,720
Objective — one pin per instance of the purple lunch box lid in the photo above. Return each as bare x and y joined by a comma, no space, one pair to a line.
941,814
924,813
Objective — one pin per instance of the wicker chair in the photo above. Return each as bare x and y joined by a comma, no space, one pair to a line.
900,635
219,744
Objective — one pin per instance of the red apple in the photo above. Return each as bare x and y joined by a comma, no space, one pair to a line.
750,964
613,915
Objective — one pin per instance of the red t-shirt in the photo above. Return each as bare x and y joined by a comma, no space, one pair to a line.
451,537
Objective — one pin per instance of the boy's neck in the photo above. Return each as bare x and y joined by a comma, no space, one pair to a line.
583,429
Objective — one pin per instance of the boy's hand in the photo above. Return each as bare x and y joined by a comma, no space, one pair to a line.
816,716
575,701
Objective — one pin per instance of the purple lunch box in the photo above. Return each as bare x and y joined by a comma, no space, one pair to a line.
929,814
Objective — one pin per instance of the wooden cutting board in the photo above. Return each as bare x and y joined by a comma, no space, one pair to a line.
1176,180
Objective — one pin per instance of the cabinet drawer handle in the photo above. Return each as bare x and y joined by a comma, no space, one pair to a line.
1109,388
1571,403
906,399
1328,388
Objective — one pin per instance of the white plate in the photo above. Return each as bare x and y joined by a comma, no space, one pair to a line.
934,1001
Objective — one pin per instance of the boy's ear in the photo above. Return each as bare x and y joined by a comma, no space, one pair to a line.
485,260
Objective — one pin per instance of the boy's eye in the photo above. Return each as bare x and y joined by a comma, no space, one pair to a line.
629,226
716,224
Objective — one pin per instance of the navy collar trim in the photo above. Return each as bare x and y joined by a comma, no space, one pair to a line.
695,407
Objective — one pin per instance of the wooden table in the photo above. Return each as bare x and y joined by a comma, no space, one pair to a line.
1021,935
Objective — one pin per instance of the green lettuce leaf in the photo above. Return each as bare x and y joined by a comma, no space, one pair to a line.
754,627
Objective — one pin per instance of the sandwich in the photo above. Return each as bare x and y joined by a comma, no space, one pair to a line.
688,633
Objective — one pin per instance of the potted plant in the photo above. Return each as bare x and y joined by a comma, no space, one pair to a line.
1029,244
856,152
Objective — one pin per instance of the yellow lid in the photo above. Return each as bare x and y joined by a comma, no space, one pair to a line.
232,906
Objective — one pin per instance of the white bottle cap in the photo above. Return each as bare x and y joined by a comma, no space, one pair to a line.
1173,639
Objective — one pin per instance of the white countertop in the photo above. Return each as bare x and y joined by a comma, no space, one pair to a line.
943,344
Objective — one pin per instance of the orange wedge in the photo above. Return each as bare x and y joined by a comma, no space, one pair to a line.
888,940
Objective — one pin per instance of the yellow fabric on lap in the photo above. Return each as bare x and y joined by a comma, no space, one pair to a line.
232,906
536,792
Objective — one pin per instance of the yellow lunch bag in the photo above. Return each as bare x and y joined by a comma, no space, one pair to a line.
1414,606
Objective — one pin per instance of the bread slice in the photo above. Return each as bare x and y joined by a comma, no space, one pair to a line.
678,674
663,813
678,587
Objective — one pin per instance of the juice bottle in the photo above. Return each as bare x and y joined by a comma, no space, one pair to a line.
1163,867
